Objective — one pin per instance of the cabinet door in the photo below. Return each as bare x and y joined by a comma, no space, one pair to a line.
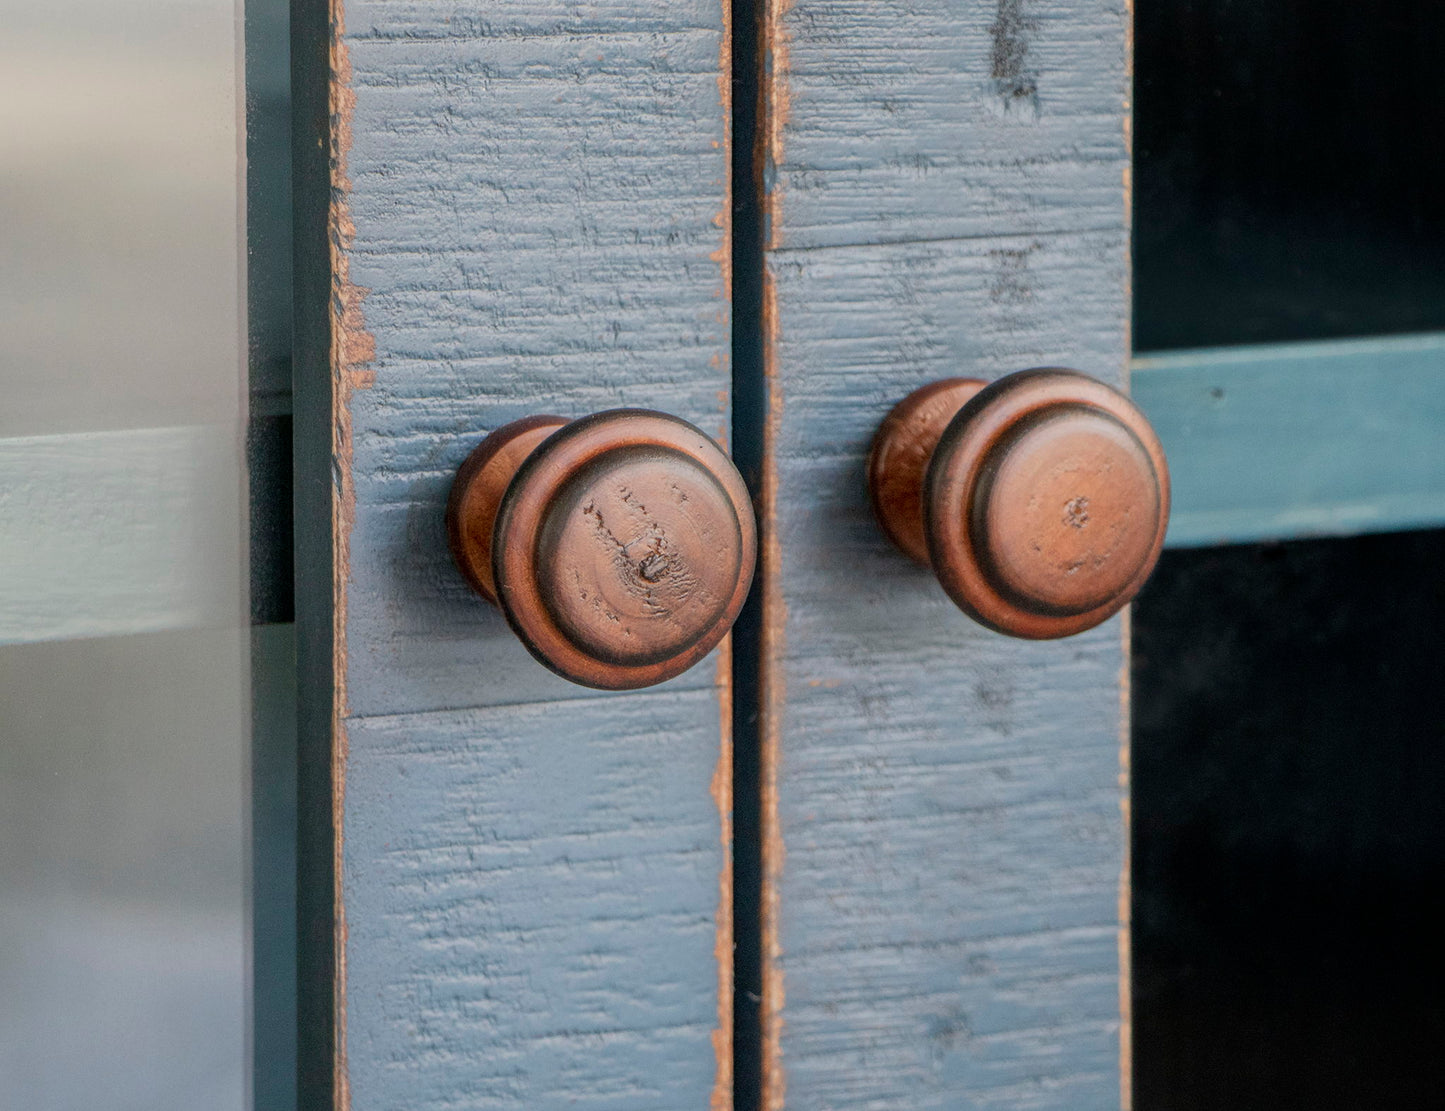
521,897
943,808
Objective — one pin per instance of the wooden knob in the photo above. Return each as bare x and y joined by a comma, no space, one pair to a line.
1040,500
620,546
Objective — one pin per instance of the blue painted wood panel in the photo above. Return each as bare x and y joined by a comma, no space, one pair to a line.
1300,439
945,819
532,893
539,193
527,208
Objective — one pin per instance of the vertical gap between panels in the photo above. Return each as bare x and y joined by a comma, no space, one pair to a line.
749,407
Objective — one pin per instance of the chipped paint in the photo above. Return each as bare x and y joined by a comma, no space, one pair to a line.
773,108
722,796
1126,942
1126,115
722,781
723,256
1126,964
771,682
353,349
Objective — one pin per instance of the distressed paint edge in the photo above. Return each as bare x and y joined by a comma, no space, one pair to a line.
723,221
350,351
353,349
772,690
721,789
721,1098
1126,623
1126,887
774,109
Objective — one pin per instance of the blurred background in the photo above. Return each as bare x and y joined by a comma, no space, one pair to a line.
125,896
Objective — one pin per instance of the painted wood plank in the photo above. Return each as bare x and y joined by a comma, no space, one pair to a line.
943,120
533,896
112,533
1300,439
528,211
944,840
540,202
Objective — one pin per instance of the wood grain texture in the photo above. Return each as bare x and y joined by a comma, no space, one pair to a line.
528,214
944,806
1287,440
939,119
532,894
540,199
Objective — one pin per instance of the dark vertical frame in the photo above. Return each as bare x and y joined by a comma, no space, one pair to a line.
315,872
272,1026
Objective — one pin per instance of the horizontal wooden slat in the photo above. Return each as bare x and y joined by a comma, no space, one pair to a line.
532,895
1307,439
938,120
109,533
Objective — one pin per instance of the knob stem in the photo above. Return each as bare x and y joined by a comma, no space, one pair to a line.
477,495
898,460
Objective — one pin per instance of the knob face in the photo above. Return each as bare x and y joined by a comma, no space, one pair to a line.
1044,501
1066,511
622,547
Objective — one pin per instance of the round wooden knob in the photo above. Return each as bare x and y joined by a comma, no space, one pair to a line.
620,546
1040,500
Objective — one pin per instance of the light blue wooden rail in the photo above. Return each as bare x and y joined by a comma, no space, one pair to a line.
1301,439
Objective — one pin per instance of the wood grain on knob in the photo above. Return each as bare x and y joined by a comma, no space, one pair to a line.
620,546
1042,501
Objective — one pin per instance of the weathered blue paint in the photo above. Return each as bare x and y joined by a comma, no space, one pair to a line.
1300,439
947,843
539,194
528,214
532,899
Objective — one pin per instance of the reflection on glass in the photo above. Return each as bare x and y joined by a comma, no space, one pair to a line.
123,653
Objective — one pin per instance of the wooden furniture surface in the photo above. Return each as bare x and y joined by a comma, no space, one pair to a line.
526,210
944,807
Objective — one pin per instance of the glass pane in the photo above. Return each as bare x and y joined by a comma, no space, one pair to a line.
124,688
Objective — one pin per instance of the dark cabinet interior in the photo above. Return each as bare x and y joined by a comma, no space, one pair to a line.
1287,171
1289,826
1288,791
